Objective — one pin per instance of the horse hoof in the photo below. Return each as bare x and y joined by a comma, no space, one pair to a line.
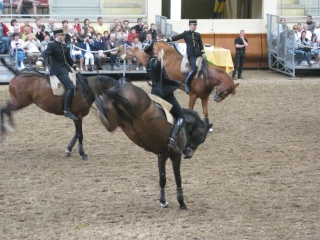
67,153
85,157
164,205
183,207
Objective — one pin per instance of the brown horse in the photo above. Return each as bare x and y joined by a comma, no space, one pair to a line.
216,79
130,108
33,87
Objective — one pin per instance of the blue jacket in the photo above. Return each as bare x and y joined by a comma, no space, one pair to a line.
99,45
83,46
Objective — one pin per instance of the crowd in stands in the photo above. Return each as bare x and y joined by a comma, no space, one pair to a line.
26,40
303,39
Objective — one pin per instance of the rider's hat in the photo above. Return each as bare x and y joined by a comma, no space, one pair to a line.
58,31
193,21
147,46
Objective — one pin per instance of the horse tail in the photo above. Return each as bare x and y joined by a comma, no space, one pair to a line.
14,71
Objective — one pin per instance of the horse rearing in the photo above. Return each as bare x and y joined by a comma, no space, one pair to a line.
130,108
32,87
217,80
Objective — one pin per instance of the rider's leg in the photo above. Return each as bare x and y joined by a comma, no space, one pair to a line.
190,75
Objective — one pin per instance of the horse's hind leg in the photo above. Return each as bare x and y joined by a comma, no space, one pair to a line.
162,174
9,125
204,103
176,162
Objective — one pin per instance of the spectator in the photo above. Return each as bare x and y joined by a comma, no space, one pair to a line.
100,45
106,36
93,36
293,48
100,27
88,56
128,43
77,26
43,47
282,23
13,23
82,35
241,43
295,32
87,28
119,33
69,36
315,45
16,29
126,28
311,24
317,32
26,24
308,33
137,43
49,28
113,25
143,34
41,34
65,26
38,25
133,33
112,44
299,30
17,44
153,32
139,26
76,53
27,31
4,31
304,45
32,47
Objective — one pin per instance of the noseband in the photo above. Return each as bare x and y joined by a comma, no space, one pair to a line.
220,95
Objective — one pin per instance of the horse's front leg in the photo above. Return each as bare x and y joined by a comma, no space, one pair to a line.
162,174
176,162
204,103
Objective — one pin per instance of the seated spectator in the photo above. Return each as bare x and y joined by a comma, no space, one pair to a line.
69,36
88,30
106,36
133,33
100,45
93,36
32,47
153,32
299,30
26,25
112,44
311,24
128,43
38,25
139,26
126,28
315,45
317,32
88,56
27,31
43,47
143,34
100,27
81,35
77,26
17,47
76,53
41,34
4,31
49,28
119,33
113,25
16,29
304,45
65,26
308,33
13,23
137,43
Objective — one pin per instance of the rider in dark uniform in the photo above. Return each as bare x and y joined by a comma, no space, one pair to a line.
60,66
163,87
194,50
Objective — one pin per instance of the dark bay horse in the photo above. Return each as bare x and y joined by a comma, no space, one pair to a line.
129,107
216,78
32,87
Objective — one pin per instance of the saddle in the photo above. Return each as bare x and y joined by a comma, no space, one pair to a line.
57,87
185,65
165,106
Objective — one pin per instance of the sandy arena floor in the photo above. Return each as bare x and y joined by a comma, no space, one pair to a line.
256,177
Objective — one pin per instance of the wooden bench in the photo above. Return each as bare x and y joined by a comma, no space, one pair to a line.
43,5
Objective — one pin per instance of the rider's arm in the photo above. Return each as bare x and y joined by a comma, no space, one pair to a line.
176,38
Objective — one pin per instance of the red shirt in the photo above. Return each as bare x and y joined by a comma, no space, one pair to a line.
131,36
78,28
5,30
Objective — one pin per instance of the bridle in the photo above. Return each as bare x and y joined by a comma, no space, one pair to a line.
221,94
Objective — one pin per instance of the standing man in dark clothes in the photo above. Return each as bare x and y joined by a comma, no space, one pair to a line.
240,43
194,50
61,63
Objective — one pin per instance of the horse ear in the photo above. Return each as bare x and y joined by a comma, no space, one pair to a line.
236,85
234,90
209,127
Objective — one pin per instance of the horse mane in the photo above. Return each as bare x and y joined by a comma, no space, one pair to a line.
170,47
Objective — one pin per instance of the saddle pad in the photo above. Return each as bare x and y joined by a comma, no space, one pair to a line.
57,87
165,106
185,65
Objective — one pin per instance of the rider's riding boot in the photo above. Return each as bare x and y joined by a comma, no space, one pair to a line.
174,135
67,105
188,80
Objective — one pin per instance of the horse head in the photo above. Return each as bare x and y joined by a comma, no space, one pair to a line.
196,132
225,87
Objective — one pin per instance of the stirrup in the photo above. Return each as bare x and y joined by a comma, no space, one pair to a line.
70,115
186,88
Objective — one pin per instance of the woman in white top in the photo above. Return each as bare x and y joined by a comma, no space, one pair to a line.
32,46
